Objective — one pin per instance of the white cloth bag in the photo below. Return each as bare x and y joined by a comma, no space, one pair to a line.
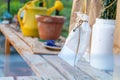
68,52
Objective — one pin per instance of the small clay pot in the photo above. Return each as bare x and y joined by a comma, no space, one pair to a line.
50,27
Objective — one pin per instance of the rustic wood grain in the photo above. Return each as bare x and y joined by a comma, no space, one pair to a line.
51,67
94,73
38,65
6,78
32,78
36,46
71,73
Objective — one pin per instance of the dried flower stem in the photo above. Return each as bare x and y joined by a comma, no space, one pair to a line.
109,9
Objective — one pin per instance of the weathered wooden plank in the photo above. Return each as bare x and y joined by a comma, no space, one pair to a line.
28,78
71,73
43,68
38,65
35,45
32,78
116,74
6,78
52,67
94,73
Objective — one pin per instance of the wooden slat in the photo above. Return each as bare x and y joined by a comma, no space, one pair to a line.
71,73
33,78
36,46
52,67
43,68
94,73
38,65
6,78
28,78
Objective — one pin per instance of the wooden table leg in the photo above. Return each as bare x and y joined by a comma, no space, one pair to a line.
7,47
7,55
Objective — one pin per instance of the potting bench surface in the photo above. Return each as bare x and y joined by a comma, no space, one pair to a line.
49,67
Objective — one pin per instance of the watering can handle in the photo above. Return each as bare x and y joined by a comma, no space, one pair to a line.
20,11
18,15
31,3
44,2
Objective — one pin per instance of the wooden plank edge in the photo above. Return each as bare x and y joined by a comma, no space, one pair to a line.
71,73
31,45
94,73
28,56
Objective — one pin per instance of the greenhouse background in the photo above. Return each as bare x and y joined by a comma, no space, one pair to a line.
15,5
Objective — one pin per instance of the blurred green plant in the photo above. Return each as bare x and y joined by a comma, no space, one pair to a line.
15,5
3,7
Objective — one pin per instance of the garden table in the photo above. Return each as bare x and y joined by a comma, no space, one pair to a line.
49,66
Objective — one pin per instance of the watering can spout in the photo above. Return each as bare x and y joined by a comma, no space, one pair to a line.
58,5
50,10
19,17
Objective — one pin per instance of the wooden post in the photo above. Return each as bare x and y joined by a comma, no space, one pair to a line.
7,47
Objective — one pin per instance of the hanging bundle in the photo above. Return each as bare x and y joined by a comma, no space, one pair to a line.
77,41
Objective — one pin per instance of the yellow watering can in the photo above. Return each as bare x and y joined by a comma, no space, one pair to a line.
29,23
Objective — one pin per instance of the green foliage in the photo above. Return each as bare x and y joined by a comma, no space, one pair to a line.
64,31
67,13
15,6
3,8
110,12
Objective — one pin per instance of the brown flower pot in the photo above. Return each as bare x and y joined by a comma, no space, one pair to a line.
50,26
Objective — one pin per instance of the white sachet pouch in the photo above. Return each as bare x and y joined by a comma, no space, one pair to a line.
76,40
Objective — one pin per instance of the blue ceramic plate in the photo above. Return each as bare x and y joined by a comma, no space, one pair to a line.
53,48
51,44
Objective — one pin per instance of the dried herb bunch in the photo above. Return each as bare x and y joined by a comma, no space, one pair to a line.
109,9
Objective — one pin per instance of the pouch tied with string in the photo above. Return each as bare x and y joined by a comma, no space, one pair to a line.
77,41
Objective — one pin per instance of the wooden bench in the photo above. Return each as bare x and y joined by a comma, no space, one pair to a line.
50,67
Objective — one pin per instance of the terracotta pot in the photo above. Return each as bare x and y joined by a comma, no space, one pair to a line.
50,26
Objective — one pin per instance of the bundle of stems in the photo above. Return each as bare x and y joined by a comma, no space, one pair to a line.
108,9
